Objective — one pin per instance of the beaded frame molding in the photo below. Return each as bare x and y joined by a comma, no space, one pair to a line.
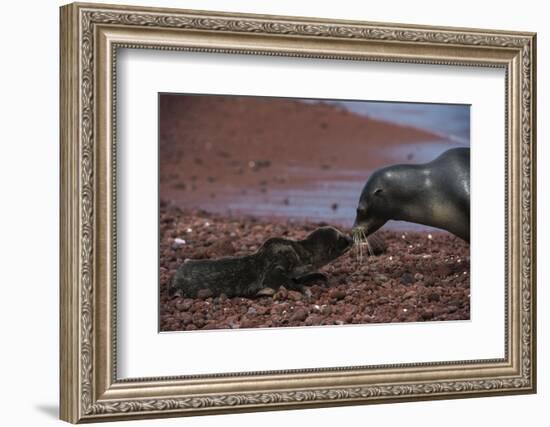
90,36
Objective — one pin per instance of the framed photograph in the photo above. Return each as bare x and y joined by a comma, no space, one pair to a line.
265,212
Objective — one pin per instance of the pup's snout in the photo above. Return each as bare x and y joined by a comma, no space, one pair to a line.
346,240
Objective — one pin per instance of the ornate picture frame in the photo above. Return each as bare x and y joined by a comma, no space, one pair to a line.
90,37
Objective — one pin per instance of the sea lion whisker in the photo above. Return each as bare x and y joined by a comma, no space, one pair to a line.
362,248
357,238
356,244
369,247
369,244
362,245
366,242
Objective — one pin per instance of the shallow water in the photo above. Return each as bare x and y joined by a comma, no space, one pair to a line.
333,201
451,121
308,204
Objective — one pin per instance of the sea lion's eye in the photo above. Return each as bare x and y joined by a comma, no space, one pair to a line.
377,191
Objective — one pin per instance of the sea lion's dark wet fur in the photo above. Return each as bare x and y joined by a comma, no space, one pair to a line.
436,194
277,262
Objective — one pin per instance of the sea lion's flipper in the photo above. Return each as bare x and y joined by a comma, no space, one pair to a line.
300,287
265,292
277,277
311,277
376,245
299,283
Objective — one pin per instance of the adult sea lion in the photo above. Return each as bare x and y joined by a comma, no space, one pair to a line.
435,194
277,262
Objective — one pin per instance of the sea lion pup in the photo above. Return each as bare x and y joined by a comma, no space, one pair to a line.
277,262
435,194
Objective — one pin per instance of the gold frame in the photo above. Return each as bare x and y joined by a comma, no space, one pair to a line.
90,36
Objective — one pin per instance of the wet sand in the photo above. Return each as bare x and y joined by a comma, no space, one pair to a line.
417,278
